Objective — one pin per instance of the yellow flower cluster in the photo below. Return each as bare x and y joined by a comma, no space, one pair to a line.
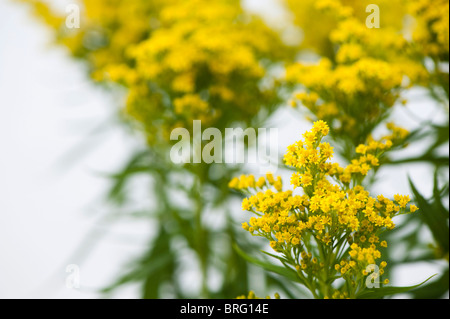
362,74
331,229
369,155
352,97
207,56
318,18
432,26
248,181
179,60
107,29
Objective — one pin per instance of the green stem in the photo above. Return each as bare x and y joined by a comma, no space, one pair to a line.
201,246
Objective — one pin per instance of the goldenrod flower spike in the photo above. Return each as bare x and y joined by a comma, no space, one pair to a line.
333,229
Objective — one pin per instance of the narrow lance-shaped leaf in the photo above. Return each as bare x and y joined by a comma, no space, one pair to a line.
288,273
381,292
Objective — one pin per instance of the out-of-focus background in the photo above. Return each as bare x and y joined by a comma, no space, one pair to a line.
59,139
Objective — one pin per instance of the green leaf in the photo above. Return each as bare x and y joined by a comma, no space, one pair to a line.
135,165
378,293
283,260
434,290
151,270
434,215
440,136
285,272
291,289
437,196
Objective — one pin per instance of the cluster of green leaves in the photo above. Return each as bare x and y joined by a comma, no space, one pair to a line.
181,229
433,217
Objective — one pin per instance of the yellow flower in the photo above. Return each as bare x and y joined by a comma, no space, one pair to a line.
306,179
361,149
328,211
234,183
402,200
261,182
320,127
